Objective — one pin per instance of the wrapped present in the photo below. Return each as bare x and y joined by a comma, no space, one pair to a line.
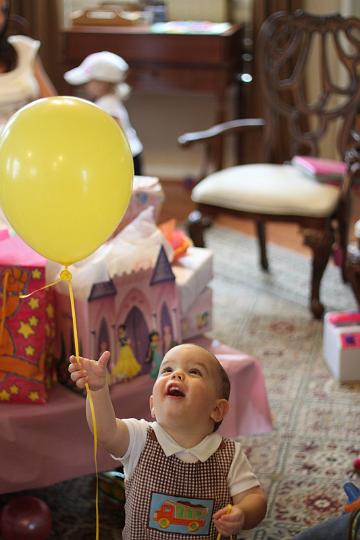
147,191
198,318
126,302
27,326
193,272
342,345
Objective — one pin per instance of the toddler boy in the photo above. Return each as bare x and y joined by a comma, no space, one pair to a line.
181,475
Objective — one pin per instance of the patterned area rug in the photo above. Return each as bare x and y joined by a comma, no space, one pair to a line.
304,462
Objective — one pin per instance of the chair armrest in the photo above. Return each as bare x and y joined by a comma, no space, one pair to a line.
226,128
214,156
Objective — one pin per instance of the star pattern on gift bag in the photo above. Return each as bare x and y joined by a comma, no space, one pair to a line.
33,303
36,273
29,350
33,396
4,395
50,311
25,330
33,321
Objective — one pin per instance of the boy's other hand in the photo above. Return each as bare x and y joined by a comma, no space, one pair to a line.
93,372
229,523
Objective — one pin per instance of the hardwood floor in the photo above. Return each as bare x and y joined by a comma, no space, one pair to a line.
178,205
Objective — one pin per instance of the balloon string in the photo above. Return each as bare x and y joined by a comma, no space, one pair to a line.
5,283
65,275
41,288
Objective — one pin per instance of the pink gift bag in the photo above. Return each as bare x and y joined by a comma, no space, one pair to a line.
27,326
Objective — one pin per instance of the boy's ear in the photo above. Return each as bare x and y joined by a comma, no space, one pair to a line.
220,410
151,403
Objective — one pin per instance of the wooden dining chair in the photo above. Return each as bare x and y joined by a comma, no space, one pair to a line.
267,192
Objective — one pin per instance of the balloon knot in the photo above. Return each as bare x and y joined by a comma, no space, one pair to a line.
65,275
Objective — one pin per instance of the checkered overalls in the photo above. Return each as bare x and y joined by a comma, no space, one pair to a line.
160,494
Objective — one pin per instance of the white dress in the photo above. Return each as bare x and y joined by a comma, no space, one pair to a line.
19,86
112,104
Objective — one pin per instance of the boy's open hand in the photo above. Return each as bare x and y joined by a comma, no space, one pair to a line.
229,523
83,370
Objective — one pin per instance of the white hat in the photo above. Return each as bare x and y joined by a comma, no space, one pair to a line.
101,66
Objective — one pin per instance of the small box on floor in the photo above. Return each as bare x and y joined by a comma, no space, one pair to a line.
342,345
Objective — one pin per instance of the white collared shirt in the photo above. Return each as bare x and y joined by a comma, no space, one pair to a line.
112,104
241,476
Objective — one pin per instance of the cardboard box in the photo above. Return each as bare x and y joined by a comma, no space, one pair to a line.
193,272
342,345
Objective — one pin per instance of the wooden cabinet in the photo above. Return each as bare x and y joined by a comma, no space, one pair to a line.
164,62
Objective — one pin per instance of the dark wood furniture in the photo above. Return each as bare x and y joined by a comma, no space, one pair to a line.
283,49
353,249
162,62
353,270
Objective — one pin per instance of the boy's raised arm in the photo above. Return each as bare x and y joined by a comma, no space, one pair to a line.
112,433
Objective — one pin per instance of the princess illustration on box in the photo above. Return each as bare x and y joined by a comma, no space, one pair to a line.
126,365
155,354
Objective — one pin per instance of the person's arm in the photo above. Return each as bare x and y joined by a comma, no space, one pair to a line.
248,509
112,433
46,87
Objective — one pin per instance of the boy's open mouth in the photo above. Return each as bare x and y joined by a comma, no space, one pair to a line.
174,391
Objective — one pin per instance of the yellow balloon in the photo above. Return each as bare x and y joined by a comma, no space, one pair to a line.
66,173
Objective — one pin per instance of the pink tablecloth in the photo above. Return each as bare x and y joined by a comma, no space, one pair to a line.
44,444
249,411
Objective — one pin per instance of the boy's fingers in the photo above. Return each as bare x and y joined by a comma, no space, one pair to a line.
223,511
104,358
76,375
75,359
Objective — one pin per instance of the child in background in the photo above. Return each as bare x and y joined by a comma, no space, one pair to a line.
102,76
181,475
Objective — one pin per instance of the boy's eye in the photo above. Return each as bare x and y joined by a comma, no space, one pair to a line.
166,369
195,371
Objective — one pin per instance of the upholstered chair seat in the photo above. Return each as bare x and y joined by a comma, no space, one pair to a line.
264,188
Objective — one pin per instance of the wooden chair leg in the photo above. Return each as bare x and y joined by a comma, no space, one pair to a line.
320,242
343,243
353,271
196,225
261,235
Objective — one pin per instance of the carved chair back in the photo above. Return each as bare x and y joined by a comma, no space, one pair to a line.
297,52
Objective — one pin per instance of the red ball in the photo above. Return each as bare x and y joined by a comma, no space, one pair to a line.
356,464
25,518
